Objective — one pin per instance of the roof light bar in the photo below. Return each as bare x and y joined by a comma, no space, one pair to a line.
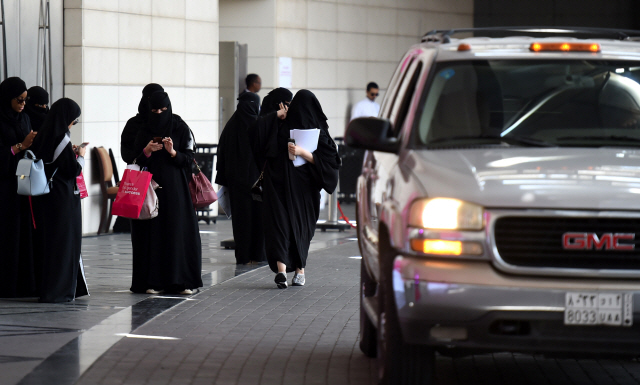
565,47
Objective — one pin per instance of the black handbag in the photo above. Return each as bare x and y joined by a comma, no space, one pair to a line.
256,189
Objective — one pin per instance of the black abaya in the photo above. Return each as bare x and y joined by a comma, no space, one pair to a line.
58,216
237,171
291,195
18,268
167,252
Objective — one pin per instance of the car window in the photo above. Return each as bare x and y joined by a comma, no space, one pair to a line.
404,97
532,102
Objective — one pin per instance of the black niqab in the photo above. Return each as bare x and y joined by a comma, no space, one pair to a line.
147,91
11,88
55,127
305,112
271,102
160,124
135,124
40,96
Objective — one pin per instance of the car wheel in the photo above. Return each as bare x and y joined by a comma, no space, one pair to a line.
368,333
398,362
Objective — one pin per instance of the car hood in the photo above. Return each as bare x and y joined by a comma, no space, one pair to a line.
560,178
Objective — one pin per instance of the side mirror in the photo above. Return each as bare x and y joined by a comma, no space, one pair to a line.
371,134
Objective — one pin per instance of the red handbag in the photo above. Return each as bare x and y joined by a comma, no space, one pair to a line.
131,193
202,192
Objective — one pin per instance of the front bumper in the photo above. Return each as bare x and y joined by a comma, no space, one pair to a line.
469,305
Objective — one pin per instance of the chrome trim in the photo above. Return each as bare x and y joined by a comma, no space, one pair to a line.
500,264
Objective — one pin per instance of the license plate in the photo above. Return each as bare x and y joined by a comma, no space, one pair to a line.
611,309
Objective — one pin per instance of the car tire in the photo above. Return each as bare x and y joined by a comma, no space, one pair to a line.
368,333
398,362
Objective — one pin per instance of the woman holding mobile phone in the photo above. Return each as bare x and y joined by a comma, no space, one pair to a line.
57,215
167,253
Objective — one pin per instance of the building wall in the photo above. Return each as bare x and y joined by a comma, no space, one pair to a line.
112,49
336,47
580,13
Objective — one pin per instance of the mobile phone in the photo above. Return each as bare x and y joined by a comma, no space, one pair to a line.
291,156
84,144
157,139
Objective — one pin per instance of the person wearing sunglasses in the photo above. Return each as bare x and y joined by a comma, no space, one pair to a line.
367,106
17,264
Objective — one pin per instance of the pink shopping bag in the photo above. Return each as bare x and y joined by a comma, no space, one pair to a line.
131,193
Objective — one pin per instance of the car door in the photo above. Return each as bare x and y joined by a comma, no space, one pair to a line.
378,167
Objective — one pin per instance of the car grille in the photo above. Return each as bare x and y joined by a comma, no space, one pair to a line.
537,242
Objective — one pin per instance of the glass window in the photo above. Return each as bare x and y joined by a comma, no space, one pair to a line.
532,103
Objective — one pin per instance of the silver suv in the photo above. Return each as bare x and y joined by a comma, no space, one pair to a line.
499,202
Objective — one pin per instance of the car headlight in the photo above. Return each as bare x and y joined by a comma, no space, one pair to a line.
446,214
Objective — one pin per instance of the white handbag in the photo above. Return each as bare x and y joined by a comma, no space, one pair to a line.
32,179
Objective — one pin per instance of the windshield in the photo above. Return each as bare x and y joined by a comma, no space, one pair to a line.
532,103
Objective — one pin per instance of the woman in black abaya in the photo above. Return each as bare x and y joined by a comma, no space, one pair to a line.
58,216
291,200
36,106
237,171
17,265
167,253
271,102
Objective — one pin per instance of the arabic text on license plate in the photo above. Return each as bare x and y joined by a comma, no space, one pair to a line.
612,309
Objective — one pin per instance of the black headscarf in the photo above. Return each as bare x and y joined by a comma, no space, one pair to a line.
305,112
272,101
147,91
37,95
55,127
130,132
157,124
11,88
248,107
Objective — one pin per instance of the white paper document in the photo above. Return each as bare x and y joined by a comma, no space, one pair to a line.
224,201
307,139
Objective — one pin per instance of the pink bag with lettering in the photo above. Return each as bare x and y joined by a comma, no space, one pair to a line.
131,193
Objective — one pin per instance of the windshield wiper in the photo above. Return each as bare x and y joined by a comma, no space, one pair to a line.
602,138
492,139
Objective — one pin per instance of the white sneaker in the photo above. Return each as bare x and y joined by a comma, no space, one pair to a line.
186,292
151,291
298,280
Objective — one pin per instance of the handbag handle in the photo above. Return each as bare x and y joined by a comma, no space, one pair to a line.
29,154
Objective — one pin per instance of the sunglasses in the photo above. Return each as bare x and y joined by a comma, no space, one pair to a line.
75,122
372,94
21,101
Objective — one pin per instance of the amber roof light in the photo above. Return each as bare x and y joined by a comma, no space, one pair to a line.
565,47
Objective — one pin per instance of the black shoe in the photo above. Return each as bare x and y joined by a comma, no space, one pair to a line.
281,280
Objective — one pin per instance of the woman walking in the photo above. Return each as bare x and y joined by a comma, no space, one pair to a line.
58,216
167,253
291,202
17,265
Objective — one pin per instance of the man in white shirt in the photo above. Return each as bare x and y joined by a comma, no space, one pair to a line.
367,106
